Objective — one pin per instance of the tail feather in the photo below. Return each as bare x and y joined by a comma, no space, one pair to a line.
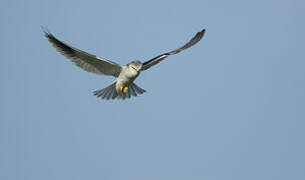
99,92
132,90
110,92
128,93
115,94
138,89
105,93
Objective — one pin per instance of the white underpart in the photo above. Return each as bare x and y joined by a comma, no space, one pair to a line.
126,77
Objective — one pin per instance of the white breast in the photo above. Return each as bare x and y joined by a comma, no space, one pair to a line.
127,76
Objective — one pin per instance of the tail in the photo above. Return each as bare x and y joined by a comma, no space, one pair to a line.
110,92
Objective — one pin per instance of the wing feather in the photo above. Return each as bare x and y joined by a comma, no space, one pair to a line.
85,60
156,60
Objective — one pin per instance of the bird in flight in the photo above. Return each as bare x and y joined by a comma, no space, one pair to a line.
123,87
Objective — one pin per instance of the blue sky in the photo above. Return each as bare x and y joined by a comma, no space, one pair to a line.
236,112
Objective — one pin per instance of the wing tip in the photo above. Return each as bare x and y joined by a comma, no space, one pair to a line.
201,33
45,30
47,33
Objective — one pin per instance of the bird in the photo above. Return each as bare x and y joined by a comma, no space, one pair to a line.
123,87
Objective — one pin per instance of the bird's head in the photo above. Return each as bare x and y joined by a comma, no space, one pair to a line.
136,65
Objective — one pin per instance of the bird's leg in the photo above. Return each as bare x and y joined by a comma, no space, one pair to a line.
124,89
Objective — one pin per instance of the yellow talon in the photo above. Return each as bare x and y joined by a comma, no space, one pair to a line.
125,90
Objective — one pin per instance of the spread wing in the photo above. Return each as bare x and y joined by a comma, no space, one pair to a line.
159,58
85,60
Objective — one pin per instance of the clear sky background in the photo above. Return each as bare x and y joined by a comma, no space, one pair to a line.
231,107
